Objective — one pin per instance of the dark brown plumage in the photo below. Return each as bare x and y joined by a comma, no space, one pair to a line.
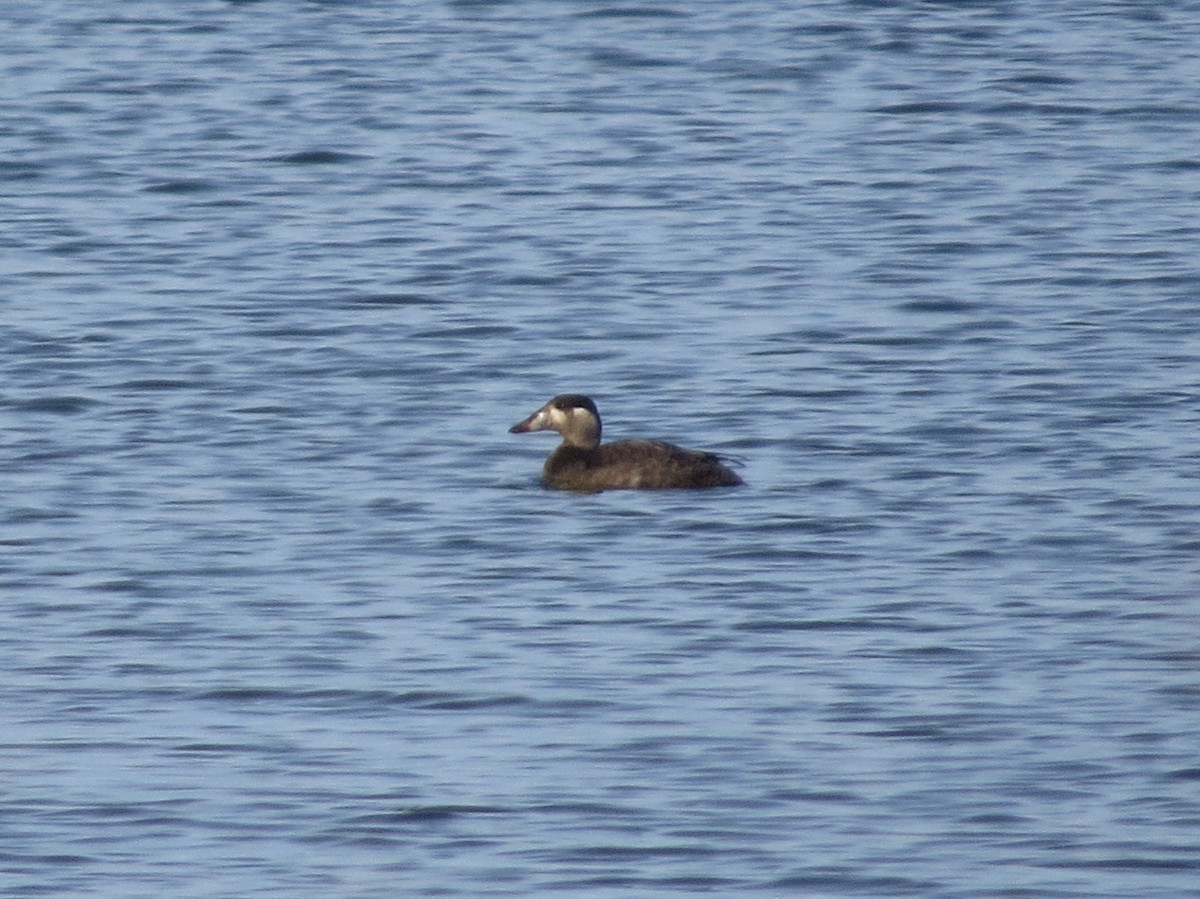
582,463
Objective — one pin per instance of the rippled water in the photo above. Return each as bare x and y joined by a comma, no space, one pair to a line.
285,611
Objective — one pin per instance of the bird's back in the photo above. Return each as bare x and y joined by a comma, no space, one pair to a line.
644,464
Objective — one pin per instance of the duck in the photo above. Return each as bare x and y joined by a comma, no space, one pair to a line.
583,464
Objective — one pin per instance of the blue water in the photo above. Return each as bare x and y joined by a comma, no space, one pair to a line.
284,611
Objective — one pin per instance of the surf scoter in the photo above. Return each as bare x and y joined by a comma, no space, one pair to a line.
582,463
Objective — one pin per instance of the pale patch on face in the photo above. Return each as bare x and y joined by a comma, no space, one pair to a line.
555,418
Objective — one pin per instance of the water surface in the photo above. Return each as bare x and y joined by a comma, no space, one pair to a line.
285,611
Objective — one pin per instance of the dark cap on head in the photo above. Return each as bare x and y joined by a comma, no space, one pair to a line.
567,401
